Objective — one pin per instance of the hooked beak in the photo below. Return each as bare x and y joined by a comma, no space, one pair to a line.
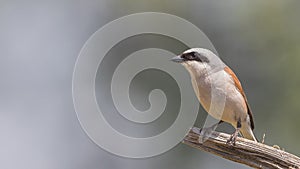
177,59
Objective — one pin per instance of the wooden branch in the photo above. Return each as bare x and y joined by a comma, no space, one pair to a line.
253,154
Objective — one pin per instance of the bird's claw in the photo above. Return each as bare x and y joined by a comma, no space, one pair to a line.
196,130
232,138
205,133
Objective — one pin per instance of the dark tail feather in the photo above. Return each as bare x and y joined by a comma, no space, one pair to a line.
247,133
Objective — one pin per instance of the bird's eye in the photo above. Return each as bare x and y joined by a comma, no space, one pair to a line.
192,56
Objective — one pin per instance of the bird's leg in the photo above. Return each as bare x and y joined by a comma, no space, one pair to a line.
211,128
233,137
205,132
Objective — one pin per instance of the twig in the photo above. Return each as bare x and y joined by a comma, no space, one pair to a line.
253,154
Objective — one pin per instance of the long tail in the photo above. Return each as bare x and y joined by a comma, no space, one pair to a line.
247,132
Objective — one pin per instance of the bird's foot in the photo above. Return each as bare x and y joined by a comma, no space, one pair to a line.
196,130
201,132
205,133
232,138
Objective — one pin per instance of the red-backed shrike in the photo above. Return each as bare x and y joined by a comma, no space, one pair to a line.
213,79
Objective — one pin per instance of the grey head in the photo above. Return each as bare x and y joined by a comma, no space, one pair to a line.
196,59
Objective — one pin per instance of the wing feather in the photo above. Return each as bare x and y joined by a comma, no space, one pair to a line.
239,87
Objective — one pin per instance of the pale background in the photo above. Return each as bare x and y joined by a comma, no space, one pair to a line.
39,44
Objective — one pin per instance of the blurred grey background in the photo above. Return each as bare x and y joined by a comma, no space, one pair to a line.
39,44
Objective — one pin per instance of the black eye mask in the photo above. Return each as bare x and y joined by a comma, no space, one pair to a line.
194,56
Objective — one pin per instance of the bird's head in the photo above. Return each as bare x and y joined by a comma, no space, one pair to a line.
199,60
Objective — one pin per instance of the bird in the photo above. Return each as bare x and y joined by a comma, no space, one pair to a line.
218,89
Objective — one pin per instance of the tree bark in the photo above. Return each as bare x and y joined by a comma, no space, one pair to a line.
253,154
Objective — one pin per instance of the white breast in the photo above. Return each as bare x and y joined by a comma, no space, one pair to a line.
219,96
216,91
